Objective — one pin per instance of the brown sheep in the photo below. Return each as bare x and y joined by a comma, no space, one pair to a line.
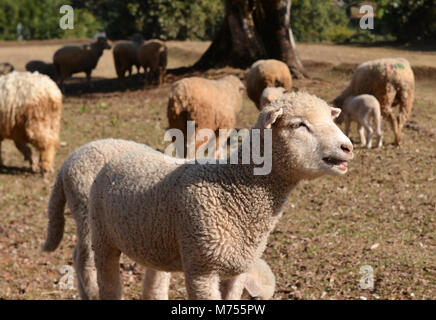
152,56
264,74
392,82
42,67
5,68
126,55
73,59
211,104
30,112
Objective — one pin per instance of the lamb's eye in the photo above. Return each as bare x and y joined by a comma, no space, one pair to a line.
298,125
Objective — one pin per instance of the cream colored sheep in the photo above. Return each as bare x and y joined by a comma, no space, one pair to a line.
5,68
30,112
212,104
73,59
392,82
264,74
211,221
365,110
270,94
42,67
126,55
152,56
72,186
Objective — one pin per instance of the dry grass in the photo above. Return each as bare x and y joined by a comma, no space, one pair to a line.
329,227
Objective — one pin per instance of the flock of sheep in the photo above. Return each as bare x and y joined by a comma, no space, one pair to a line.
210,221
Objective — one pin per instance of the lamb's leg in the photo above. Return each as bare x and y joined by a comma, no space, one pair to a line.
231,289
156,284
85,269
1,158
369,131
46,156
107,263
27,153
361,131
202,286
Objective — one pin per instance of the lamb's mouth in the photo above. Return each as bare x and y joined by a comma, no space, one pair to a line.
335,162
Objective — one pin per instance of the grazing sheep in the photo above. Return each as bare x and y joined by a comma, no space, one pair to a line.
30,112
392,82
212,104
211,221
152,56
42,67
126,55
72,186
270,94
264,74
365,110
5,68
73,59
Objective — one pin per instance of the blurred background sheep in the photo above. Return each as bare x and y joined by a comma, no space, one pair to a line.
73,59
264,74
152,56
212,104
392,82
125,55
30,112
43,68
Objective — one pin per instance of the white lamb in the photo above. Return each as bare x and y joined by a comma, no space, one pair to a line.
365,110
210,221
72,187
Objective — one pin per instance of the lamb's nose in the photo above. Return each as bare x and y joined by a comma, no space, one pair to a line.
347,148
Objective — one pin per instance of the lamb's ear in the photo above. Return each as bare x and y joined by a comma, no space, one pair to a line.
252,286
335,112
271,116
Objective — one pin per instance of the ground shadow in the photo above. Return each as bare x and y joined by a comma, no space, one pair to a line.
15,170
78,86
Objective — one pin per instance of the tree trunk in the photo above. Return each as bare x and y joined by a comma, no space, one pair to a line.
252,30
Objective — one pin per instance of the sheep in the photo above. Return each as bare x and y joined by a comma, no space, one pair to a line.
392,82
152,56
365,110
270,94
264,74
73,185
42,67
212,104
73,59
5,68
210,221
30,112
125,55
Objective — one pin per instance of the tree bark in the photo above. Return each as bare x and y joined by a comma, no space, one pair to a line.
253,30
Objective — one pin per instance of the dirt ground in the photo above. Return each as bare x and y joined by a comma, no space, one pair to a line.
381,214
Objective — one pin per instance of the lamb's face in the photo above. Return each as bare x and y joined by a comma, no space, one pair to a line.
306,141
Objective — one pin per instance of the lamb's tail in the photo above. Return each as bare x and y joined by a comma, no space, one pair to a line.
56,223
